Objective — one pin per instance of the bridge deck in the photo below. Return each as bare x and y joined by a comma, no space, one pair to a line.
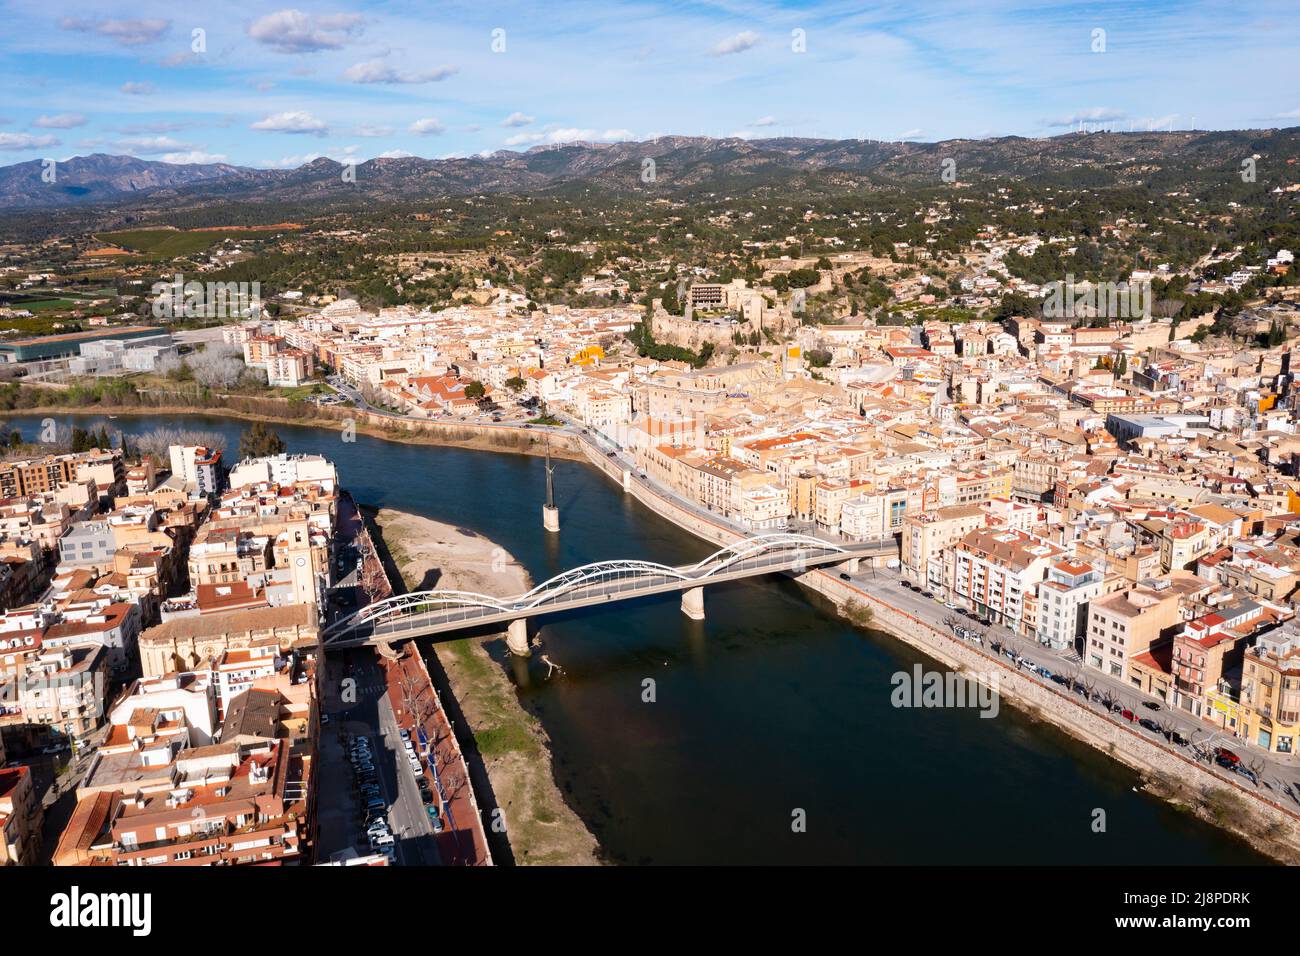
423,616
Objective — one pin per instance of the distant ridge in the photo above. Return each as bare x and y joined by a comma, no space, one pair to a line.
682,163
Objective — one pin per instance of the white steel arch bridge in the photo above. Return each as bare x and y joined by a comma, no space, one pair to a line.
422,613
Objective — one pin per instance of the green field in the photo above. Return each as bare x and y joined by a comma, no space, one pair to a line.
170,243
49,305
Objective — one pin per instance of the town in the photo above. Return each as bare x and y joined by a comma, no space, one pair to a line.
1111,503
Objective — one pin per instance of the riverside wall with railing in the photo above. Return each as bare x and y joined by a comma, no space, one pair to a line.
1256,815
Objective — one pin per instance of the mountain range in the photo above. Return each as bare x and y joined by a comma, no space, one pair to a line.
681,164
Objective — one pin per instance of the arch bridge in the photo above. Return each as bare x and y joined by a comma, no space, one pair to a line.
423,613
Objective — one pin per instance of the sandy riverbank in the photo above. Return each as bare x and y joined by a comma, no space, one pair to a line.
514,748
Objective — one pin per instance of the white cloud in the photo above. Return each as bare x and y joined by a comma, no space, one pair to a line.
193,157
571,135
348,154
764,121
377,71
180,58
427,127
394,154
292,31
1096,114
517,119
153,144
524,139
742,41
911,133
26,141
137,89
367,130
125,32
293,121
62,121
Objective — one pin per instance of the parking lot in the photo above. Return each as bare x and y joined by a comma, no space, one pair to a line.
370,800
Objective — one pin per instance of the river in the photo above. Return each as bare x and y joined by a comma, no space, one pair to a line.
771,710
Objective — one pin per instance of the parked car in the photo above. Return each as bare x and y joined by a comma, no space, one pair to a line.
1226,758
1150,725
1150,705
435,818
844,577
1177,739
1128,715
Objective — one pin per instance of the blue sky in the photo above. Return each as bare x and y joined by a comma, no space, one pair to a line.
269,85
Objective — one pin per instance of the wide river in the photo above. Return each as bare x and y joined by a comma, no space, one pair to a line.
769,707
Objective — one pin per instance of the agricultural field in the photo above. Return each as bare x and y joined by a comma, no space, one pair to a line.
170,243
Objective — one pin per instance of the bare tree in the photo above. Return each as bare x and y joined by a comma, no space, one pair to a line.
158,440
219,366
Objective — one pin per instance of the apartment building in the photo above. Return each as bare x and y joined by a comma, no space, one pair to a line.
56,693
1063,599
236,803
200,468
90,544
996,573
926,538
1270,691
186,698
227,555
1126,623
21,817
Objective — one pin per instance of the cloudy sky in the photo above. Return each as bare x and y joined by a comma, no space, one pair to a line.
263,85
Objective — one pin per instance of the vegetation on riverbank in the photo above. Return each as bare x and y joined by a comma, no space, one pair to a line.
511,745
200,401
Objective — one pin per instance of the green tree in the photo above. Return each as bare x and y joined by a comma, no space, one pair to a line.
475,390
818,358
260,442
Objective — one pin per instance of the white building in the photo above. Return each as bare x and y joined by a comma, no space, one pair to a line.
285,470
1063,603
197,466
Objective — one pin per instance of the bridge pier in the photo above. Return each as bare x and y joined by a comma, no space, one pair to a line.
550,517
850,566
517,637
693,603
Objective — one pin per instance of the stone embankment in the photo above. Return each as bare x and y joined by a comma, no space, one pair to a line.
1270,826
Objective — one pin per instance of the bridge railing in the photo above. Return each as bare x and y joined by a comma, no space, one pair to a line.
421,610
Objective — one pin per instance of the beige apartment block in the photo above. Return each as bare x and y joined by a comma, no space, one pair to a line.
1126,623
927,535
